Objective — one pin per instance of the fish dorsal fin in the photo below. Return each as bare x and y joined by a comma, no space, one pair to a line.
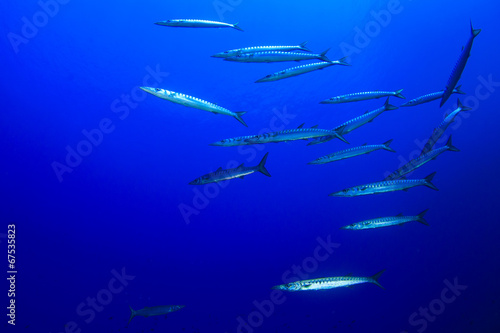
367,112
241,166
364,144
219,169
315,126
348,275
301,125
400,214
463,47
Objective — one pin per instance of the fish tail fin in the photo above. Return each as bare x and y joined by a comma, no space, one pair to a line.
428,181
237,27
388,106
387,144
261,167
338,135
132,314
343,62
398,94
303,47
323,56
473,31
374,278
458,90
450,146
462,107
420,217
238,117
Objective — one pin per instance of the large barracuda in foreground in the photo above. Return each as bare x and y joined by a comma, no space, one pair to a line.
362,96
277,56
421,160
254,49
430,97
298,70
386,222
154,311
330,283
385,186
193,23
357,122
459,66
193,102
281,136
239,172
352,152
439,131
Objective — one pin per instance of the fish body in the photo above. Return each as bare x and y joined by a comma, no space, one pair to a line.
298,70
154,311
385,186
430,97
386,222
329,283
277,56
193,102
352,152
421,160
239,172
457,71
255,49
439,131
194,23
362,96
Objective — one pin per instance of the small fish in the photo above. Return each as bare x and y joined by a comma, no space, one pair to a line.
192,23
362,96
439,131
459,66
254,49
193,102
154,311
239,172
421,160
329,283
386,222
430,97
385,186
277,56
298,70
352,152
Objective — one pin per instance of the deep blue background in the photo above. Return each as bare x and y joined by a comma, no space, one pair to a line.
120,206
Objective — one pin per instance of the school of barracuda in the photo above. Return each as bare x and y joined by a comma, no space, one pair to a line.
396,181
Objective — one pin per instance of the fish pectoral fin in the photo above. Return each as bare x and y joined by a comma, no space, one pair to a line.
241,177
348,287
400,214
219,169
406,190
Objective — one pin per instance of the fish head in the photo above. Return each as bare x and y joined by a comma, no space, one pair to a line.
227,142
166,23
349,227
225,54
347,192
268,78
293,286
159,92
200,181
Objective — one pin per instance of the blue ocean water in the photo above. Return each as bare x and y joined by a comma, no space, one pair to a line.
110,222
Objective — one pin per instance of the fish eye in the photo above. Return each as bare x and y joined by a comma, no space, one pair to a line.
345,190
157,89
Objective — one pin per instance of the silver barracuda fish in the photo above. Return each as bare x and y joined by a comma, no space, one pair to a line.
154,311
456,73
385,186
329,283
239,172
281,136
362,96
193,23
277,56
430,97
439,131
254,49
352,152
298,70
193,102
386,222
421,160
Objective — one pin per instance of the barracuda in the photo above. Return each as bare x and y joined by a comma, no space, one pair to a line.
277,56
239,172
430,97
254,49
385,186
457,71
386,222
421,160
439,131
330,283
193,102
192,23
154,311
281,136
298,70
362,96
352,152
